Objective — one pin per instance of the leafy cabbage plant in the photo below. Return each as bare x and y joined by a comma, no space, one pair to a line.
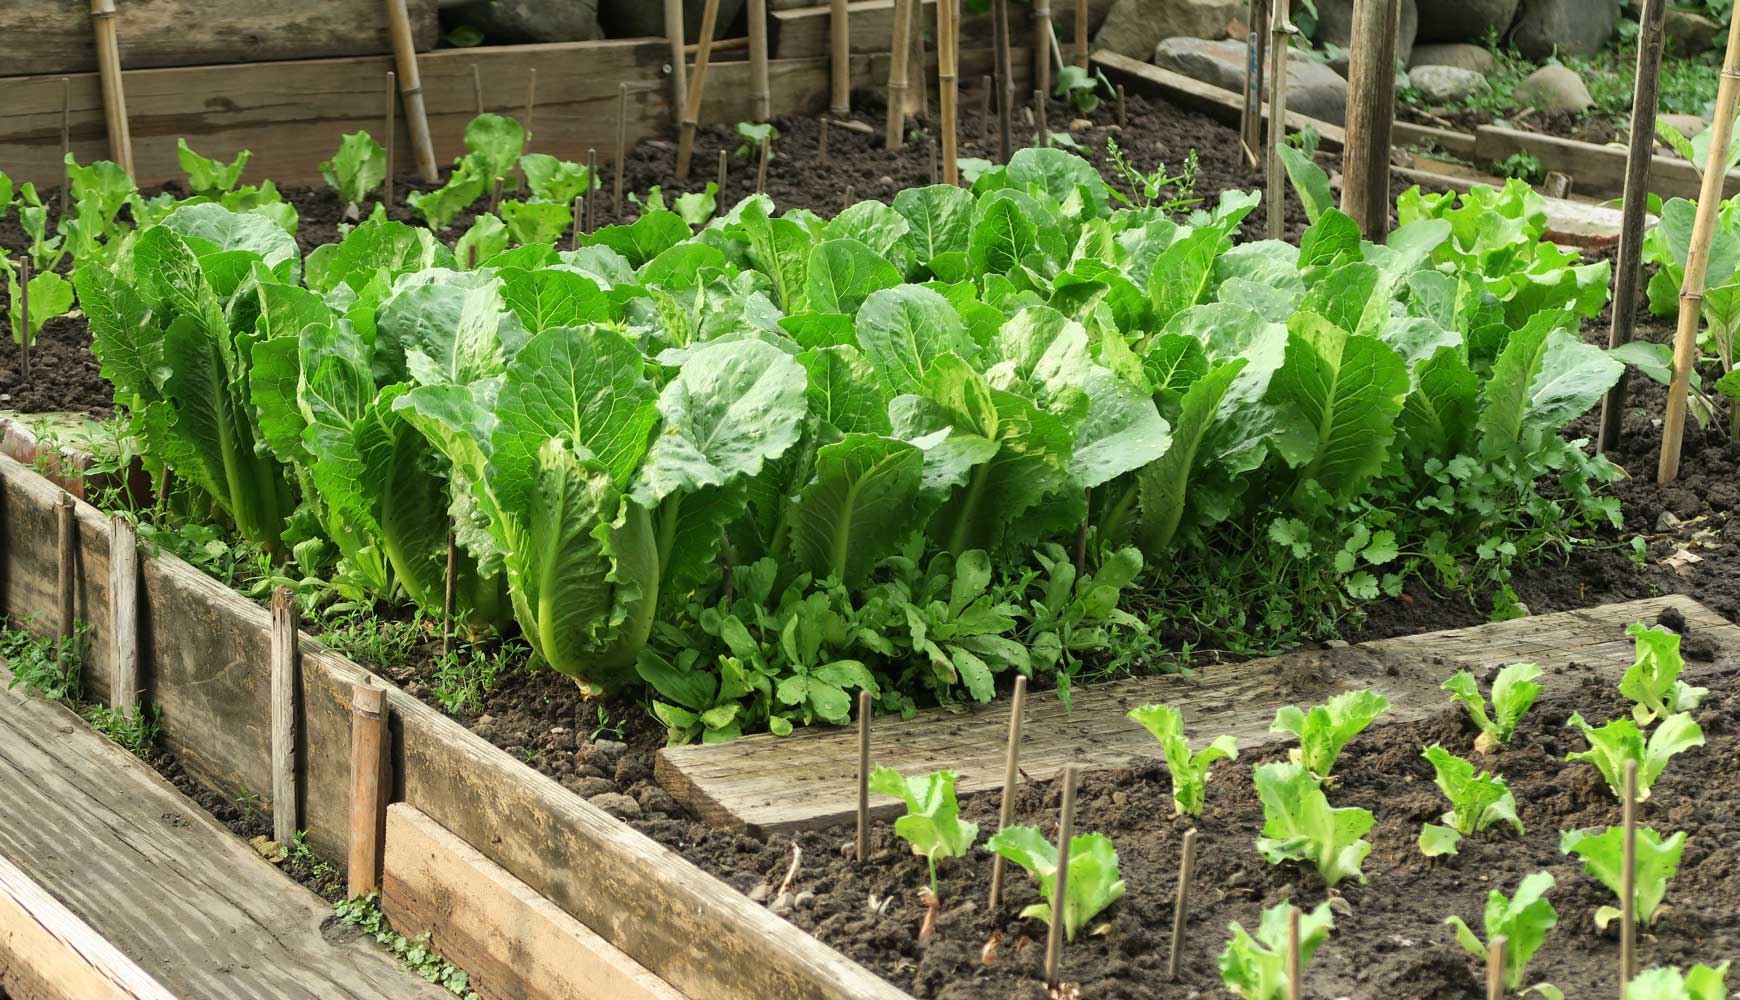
1299,824
1653,682
1327,728
1700,982
1477,801
356,170
1619,741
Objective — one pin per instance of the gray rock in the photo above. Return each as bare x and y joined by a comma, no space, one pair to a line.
1563,27
1134,27
654,799
617,804
588,787
1461,55
1554,88
1312,88
1447,84
1687,125
519,21
1335,26
1689,33
1464,20
644,18
608,750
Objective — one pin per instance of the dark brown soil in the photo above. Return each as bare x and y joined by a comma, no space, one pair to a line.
1596,128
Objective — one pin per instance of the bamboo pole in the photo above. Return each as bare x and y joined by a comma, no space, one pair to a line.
760,99
392,137
822,140
917,86
1371,107
1277,186
114,91
1060,881
286,814
1081,33
761,169
1295,964
864,712
1041,127
1642,153
531,104
1042,46
477,86
1495,967
1256,58
24,335
840,40
411,89
985,106
1005,79
1698,263
679,60
449,590
697,88
367,743
1011,774
1628,875
1186,871
65,143
592,187
1123,108
621,152
948,58
724,172
900,49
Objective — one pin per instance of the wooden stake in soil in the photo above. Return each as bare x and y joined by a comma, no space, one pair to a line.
592,187
114,92
761,169
1060,881
24,310
621,152
392,137
531,104
1042,46
917,86
840,44
724,171
848,200
863,776
1011,775
822,140
1628,872
477,87
575,214
679,60
123,615
894,133
65,143
948,56
1251,111
411,89
1005,79
1295,967
1081,33
697,88
1371,109
1186,871
1495,967
1629,266
367,812
285,818
1698,263
930,147
67,532
985,86
449,594
1277,187
760,98
1042,129
1123,108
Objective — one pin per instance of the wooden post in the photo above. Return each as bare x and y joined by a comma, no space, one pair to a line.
948,55
592,187
697,88
449,595
531,104
930,147
1186,871
123,615
822,140
761,168
1251,111
1371,108
760,98
1495,967
1123,108
575,211
1005,79
65,143
285,818
985,86
724,173
1629,266
1277,186
1042,46
1011,775
1042,128
917,87
900,49
392,129
679,59
1698,264
1060,881
477,86
864,713
1081,33
847,200
840,43
411,89
367,812
1295,967
1628,868
621,151
114,92
25,336
67,535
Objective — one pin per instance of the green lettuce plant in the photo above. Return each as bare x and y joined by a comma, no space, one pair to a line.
535,221
51,296
1653,682
1700,982
1093,882
1189,770
932,825
356,170
1513,692
1523,920
1476,802
1620,740
554,180
441,206
1602,854
1327,728
210,178
1300,825
1256,967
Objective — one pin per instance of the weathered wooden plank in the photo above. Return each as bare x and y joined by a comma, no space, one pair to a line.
48,953
160,879
513,943
767,784
1598,171
1194,95
803,32
54,36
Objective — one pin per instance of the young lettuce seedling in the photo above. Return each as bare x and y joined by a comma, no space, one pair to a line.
1300,825
1619,741
1093,882
210,178
1653,682
1476,802
1513,692
1256,968
1324,730
1189,770
1701,983
359,166
932,824
1523,920
1603,857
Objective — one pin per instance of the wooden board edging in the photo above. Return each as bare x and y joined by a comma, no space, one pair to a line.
48,953
204,658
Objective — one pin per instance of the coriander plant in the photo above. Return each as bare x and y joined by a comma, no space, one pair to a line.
1189,770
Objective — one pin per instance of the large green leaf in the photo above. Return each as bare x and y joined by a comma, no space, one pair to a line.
939,220
859,506
1543,379
1165,483
843,273
1438,416
1181,274
903,330
1346,392
548,298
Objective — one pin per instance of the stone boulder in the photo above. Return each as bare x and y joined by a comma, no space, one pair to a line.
1447,84
1465,20
644,18
1563,27
1134,27
522,21
1686,125
1689,33
1554,88
1312,88
1476,58
1335,26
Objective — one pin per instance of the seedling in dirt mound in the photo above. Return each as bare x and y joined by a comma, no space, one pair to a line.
1256,968
1477,801
1513,692
1653,682
1523,920
932,824
1603,857
1300,825
210,178
1189,770
1701,983
1093,882
356,170
1324,730
1620,741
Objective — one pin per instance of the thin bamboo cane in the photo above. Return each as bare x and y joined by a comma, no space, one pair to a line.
1081,33
1277,189
840,39
392,137
697,88
531,103
114,92
679,59
948,86
592,187
917,86
1698,263
1641,154
1042,45
1628,878
477,87
900,49
724,171
760,99
621,151
761,168
65,143
1060,879
1005,79
411,89
24,335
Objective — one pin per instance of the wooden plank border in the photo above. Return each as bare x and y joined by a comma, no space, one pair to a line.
206,651
48,953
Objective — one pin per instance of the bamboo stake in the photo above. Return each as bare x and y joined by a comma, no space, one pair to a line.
367,743
285,811
760,99
592,187
574,213
123,615
65,143
1186,871
1060,881
863,776
1256,59
1081,33
477,87
411,89
1371,105
25,336
822,141
621,151
901,52
1005,79
1011,774
724,171
1042,46
917,86
114,91
67,535
1495,967
1295,967
840,41
392,130
930,147
1123,109
1277,190
531,103
985,106
697,88
449,593
1698,263
847,201
679,60
1628,873
761,170
1649,45
1042,129
948,71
